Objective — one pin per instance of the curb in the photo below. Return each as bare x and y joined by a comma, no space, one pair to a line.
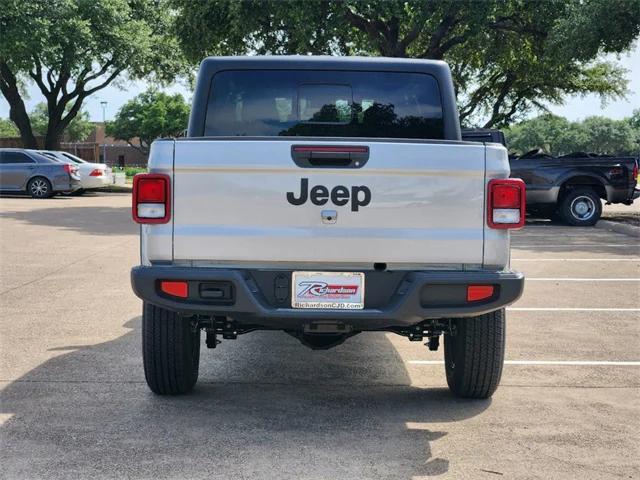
115,189
619,227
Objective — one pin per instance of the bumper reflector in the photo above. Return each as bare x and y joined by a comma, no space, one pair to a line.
479,292
176,289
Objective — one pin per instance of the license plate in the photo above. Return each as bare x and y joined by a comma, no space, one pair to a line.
328,290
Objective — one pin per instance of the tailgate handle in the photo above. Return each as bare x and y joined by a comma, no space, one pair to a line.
329,156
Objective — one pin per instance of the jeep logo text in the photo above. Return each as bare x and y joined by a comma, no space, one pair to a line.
339,195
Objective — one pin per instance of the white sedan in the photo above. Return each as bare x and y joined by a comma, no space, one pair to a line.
92,175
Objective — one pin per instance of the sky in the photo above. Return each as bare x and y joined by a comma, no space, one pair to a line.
574,108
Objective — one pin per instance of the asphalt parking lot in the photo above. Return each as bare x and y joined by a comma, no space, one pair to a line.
74,403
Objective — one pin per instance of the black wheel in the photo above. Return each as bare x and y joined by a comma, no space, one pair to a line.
474,355
39,187
581,207
170,351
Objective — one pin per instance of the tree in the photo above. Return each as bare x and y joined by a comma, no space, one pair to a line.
507,56
73,48
8,128
78,129
148,116
557,136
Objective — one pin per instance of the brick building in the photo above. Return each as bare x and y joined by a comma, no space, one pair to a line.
93,148
118,152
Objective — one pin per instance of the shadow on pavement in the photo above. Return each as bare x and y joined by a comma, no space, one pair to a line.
86,219
265,407
549,237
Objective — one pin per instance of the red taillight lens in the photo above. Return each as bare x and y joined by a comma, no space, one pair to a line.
151,198
506,203
479,292
152,190
635,170
70,168
506,196
176,289
96,173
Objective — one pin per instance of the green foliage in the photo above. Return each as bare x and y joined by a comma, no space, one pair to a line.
77,130
557,136
130,171
148,116
73,48
8,128
507,56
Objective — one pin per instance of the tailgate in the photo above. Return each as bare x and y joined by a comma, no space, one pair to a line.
231,203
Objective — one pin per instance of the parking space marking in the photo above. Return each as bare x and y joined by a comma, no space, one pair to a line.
543,279
565,245
621,236
568,363
570,309
575,259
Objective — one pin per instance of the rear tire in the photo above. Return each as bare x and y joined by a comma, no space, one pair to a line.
170,351
475,354
581,207
39,187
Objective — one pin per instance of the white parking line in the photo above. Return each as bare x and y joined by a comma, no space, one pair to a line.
570,309
542,279
575,259
622,236
570,363
543,245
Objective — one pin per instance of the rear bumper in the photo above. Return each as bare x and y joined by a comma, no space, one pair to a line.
65,183
393,298
96,182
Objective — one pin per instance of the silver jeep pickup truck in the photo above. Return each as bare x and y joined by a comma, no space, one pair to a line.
325,197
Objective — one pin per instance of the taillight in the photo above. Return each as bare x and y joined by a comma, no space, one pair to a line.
506,203
96,173
151,198
70,168
635,170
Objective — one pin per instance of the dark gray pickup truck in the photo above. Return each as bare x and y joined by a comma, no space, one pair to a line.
571,186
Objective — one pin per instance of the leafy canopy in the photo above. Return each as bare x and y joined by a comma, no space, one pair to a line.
78,129
558,136
507,56
73,48
8,128
148,116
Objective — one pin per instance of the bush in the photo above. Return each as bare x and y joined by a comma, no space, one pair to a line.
129,171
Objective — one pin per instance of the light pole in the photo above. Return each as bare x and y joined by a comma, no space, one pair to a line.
104,125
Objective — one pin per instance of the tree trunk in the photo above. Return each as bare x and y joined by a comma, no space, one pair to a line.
17,110
52,140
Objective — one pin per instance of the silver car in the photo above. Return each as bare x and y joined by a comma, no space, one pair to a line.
35,174
92,175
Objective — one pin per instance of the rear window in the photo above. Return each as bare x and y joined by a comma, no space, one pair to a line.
325,104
